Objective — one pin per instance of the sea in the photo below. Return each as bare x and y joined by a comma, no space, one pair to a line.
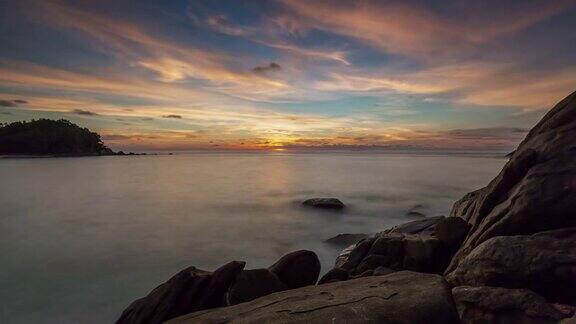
82,237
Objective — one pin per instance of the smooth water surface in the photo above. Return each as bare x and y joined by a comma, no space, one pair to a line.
80,238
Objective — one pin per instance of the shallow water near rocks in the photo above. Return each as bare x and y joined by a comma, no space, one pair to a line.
80,238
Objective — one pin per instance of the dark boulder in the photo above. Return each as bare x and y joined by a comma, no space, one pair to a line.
251,284
336,274
190,290
451,231
544,263
401,297
500,305
535,190
324,203
391,247
358,253
297,269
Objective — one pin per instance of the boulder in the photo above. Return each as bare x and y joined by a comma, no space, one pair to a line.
324,203
343,240
535,190
451,231
336,274
412,246
358,253
297,269
251,284
401,297
424,253
426,226
189,290
499,305
544,263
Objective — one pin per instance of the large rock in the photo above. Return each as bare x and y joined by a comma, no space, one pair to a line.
534,192
251,284
424,245
478,305
297,269
543,262
401,297
324,203
188,291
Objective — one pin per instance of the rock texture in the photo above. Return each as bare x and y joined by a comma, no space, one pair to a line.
324,203
479,305
424,245
543,262
536,189
401,297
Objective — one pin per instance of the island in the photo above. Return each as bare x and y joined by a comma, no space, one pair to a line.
46,137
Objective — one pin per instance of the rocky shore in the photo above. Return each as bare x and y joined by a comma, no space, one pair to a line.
505,254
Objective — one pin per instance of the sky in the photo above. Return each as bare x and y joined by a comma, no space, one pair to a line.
289,74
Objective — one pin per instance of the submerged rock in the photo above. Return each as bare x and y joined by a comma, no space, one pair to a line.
297,269
324,203
401,297
500,305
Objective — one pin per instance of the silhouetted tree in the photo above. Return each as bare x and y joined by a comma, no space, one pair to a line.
50,137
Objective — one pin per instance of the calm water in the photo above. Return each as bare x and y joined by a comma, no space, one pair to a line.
80,238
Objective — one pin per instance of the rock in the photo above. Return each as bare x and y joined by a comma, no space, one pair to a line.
344,255
391,247
251,284
358,253
544,263
345,239
500,305
413,213
422,226
336,274
371,262
411,246
534,192
424,253
297,269
401,297
451,231
382,271
324,203
190,290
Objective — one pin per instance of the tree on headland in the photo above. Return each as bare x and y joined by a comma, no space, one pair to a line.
50,137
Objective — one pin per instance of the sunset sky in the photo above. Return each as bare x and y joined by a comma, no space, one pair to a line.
291,74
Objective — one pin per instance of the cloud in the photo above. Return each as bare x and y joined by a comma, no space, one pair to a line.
504,133
172,116
413,29
272,67
12,103
84,112
7,103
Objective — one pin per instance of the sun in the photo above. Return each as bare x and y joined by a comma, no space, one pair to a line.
279,149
